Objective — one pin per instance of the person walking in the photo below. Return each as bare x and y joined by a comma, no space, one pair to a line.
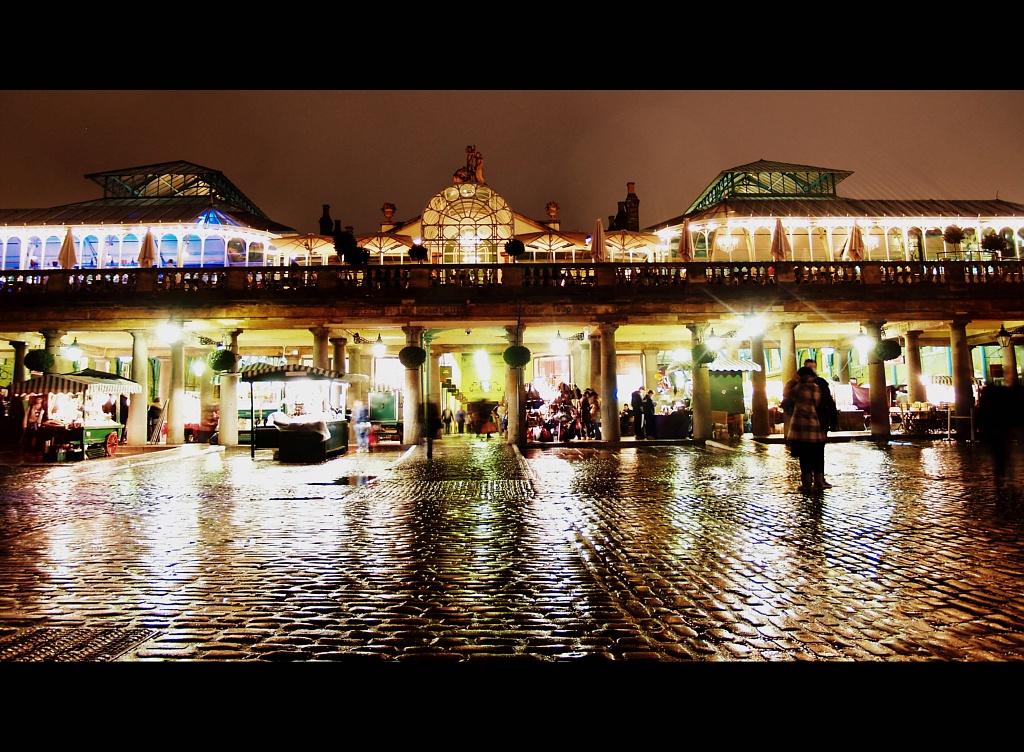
827,409
636,405
806,437
446,418
648,410
999,424
361,411
460,419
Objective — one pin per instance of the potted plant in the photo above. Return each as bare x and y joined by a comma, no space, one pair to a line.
39,360
954,236
995,243
515,248
221,360
412,356
418,252
516,356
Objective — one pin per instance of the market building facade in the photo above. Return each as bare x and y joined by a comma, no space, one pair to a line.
768,266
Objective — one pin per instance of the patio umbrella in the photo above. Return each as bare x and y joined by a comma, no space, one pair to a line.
147,253
383,243
622,242
551,242
597,251
853,248
307,245
781,249
685,243
68,259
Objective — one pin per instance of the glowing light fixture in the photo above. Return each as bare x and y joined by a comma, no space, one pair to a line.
73,352
863,343
559,345
828,350
379,349
198,366
169,333
1004,336
714,341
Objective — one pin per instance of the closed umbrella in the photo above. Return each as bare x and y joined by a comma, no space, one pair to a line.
781,249
68,259
597,243
686,243
147,253
853,248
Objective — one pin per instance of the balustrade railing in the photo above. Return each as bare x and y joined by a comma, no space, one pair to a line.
372,280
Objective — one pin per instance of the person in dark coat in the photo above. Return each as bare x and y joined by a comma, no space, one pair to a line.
648,410
636,405
999,425
806,437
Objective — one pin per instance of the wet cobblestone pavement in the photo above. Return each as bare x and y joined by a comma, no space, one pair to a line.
629,552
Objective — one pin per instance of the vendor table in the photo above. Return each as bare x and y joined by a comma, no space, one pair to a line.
926,421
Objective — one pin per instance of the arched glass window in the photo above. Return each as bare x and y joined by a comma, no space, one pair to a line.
467,223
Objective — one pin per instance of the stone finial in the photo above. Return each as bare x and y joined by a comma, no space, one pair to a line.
389,211
553,208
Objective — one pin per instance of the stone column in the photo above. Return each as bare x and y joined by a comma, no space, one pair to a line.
759,421
1010,365
915,387
843,363
19,373
176,401
52,346
138,432
650,369
963,375
610,430
787,350
878,395
321,355
412,408
514,387
358,362
227,433
337,364
595,360
700,405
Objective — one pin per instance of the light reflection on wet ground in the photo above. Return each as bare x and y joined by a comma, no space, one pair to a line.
657,552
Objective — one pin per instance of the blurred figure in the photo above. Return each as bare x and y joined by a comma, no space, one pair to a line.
1000,411
361,411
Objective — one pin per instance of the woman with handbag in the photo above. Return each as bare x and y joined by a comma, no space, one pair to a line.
807,436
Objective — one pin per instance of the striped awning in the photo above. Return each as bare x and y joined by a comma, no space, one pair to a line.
271,372
58,383
719,364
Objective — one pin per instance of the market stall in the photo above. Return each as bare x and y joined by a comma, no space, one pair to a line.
294,413
80,412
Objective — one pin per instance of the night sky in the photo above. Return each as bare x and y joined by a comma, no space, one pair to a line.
291,151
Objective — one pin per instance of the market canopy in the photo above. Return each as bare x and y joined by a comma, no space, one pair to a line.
718,364
74,383
287,372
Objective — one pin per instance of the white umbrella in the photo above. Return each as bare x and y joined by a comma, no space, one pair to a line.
597,251
147,253
685,243
853,248
384,243
622,242
781,249
67,258
307,245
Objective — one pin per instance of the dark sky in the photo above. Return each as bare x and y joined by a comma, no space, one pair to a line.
291,151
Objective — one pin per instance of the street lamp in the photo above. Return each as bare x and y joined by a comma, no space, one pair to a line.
559,345
1004,336
863,344
379,349
73,352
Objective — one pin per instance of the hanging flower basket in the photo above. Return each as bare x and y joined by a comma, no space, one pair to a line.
418,252
221,360
516,356
39,360
702,354
412,356
887,349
